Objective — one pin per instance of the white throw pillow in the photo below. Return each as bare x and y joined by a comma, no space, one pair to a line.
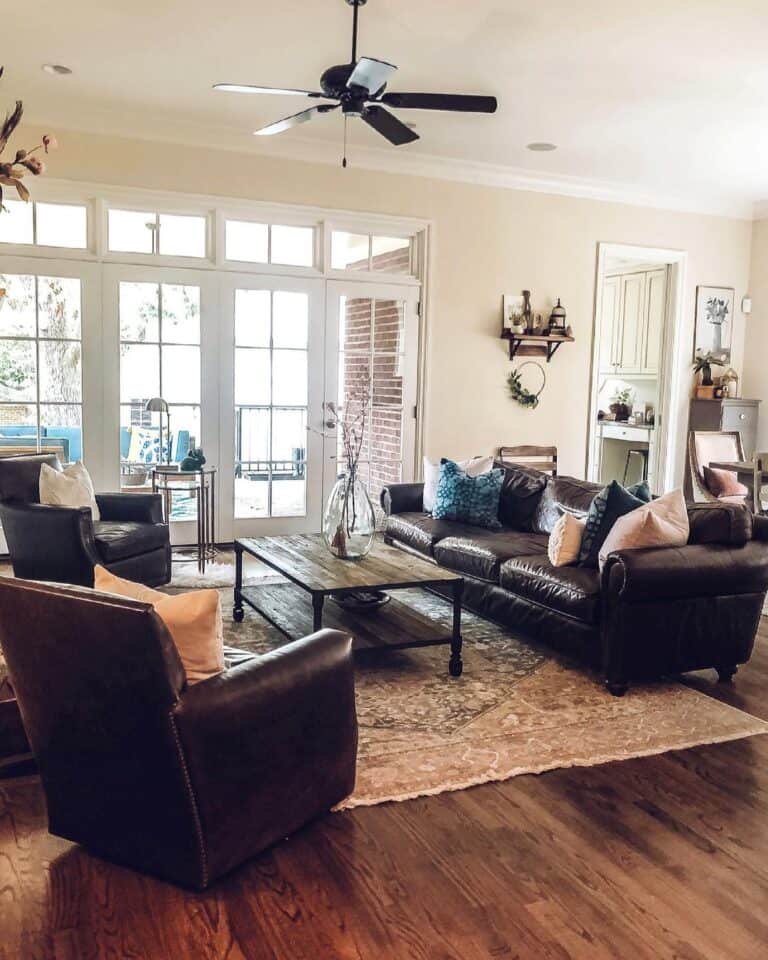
70,487
565,540
660,523
474,467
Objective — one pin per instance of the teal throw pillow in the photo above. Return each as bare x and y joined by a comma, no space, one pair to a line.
467,499
611,503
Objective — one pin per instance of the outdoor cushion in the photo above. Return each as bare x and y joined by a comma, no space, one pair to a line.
573,591
480,553
118,541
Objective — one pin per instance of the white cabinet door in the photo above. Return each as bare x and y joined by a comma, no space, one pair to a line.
632,309
655,305
609,325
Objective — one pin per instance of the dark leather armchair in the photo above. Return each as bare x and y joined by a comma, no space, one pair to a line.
184,783
62,544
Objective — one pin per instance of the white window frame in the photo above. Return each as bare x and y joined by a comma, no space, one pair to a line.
99,198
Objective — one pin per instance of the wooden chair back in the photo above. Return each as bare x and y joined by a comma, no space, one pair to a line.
535,458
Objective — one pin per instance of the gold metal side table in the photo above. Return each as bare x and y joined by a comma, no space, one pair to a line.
199,485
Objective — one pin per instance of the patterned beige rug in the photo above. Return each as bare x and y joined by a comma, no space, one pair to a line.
516,709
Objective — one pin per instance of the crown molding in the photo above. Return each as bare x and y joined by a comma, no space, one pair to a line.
408,163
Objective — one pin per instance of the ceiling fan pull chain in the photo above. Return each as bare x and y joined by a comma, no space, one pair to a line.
344,158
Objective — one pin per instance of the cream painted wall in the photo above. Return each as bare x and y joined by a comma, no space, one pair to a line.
487,241
755,382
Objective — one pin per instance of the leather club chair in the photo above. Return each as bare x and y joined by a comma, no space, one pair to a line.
62,544
184,783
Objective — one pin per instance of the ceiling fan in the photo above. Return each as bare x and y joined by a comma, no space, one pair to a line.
359,87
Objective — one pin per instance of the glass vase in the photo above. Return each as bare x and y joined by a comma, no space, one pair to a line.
349,523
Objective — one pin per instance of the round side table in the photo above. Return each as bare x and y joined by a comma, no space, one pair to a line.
197,484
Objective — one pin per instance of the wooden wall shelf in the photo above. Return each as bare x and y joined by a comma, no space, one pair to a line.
534,345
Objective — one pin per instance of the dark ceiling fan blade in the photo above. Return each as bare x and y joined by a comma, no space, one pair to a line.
464,103
388,125
252,88
371,74
294,120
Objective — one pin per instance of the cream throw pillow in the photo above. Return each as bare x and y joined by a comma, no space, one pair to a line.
193,621
70,487
474,467
660,523
565,540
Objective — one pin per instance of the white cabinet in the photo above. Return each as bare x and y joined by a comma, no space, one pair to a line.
633,309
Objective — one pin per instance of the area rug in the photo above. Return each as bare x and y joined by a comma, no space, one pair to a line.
517,709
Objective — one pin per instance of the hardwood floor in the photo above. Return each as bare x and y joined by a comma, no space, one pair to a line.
664,857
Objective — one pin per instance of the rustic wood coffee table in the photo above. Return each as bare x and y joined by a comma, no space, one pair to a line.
314,573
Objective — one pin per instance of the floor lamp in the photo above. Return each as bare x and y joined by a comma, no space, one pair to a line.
158,405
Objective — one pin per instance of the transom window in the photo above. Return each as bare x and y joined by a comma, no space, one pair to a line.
41,366
164,234
45,224
249,242
370,252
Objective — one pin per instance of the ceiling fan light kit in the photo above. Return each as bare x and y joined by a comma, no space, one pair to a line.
359,87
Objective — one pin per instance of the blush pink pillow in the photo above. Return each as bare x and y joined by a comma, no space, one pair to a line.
660,523
724,483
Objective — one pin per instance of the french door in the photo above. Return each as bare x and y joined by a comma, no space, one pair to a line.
160,341
271,375
373,338
246,364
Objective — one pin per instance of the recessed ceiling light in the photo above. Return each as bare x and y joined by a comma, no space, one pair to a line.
540,147
56,69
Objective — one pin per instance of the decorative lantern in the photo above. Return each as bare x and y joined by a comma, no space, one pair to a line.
557,319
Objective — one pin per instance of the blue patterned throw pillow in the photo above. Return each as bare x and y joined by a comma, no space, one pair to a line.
611,503
467,499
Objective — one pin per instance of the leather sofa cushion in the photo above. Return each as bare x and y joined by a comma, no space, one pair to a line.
720,523
521,492
561,495
420,531
118,541
480,553
20,477
573,591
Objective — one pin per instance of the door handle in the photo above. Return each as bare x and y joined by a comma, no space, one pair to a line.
330,424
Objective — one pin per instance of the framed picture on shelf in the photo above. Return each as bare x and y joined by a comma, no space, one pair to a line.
714,323
512,308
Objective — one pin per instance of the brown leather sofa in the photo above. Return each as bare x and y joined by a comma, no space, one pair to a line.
62,544
184,783
651,613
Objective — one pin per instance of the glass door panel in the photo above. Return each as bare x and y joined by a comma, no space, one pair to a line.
272,389
373,348
161,320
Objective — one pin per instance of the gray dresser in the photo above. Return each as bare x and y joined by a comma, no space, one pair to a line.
728,415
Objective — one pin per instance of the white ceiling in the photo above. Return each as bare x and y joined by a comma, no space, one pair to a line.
660,101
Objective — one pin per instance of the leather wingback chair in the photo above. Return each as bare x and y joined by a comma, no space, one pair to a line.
184,783
62,544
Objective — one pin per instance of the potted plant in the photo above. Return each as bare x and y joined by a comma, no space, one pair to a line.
703,365
621,403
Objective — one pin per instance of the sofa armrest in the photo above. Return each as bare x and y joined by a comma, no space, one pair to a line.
50,543
272,743
403,498
131,507
697,570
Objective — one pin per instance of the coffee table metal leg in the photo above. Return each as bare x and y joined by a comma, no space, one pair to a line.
238,612
317,611
455,665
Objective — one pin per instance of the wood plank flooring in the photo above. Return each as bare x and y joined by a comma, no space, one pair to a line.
648,859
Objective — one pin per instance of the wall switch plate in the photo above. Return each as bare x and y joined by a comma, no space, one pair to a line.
746,305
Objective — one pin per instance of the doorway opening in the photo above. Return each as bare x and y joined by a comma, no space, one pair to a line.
634,423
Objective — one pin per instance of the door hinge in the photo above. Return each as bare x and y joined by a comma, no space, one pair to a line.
415,411
418,309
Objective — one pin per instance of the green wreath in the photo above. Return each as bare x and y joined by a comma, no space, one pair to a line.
518,392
